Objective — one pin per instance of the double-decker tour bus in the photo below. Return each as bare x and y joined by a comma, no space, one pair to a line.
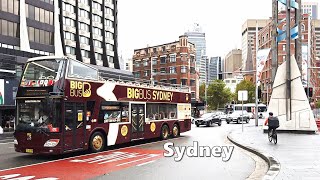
64,105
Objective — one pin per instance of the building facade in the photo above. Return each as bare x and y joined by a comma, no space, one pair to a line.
214,70
85,30
171,64
232,83
310,8
265,40
232,63
198,38
248,34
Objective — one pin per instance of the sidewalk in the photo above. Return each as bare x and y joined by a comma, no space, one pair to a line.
298,154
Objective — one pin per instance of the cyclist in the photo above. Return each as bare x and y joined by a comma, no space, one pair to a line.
272,122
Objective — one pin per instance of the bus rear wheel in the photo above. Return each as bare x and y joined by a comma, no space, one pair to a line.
164,132
175,131
97,142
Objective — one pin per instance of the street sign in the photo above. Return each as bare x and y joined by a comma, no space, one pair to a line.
243,95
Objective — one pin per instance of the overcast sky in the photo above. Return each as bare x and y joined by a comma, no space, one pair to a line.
155,22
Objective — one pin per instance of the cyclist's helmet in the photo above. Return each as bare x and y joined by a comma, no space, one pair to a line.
271,113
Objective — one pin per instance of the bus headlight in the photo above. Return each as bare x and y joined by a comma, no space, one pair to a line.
52,143
15,142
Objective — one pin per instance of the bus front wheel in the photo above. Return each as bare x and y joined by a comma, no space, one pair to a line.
164,132
97,142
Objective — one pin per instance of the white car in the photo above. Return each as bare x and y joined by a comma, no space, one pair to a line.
236,116
221,115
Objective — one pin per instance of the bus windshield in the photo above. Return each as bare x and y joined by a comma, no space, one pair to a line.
42,73
38,114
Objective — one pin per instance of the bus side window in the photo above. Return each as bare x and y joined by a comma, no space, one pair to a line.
125,113
90,109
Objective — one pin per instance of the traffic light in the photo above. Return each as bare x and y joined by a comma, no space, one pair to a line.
310,91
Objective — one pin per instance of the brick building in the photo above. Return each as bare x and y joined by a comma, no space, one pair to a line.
265,40
172,64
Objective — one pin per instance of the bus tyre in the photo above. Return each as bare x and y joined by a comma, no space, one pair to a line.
97,142
164,132
175,131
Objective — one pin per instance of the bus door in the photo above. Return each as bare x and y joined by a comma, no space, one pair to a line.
137,121
74,127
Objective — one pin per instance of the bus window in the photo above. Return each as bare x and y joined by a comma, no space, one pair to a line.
114,113
172,111
78,70
90,108
160,112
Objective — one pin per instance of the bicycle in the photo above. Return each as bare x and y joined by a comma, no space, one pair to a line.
272,135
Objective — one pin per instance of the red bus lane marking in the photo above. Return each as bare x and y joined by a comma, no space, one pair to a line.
84,167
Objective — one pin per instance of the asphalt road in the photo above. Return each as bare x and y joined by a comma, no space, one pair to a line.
240,165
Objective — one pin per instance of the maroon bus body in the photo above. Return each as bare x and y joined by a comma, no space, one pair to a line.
79,139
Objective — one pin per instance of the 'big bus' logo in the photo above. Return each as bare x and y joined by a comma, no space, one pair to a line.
80,89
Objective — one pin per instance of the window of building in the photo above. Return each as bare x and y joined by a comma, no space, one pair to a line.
183,82
172,58
68,22
154,70
173,81
109,35
70,50
97,43
109,47
233,81
85,53
137,74
109,23
154,61
84,13
193,95
97,18
96,5
98,56
110,58
84,40
192,82
183,69
163,60
192,70
68,7
86,2
84,27
172,70
137,64
10,6
146,73
69,35
163,70
109,11
283,47
145,63
40,36
159,112
97,31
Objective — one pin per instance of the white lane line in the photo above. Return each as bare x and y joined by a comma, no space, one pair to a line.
7,140
149,162
92,154
10,147
136,160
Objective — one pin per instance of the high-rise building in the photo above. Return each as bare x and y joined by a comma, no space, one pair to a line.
310,8
85,30
170,64
213,69
316,26
248,33
232,63
198,38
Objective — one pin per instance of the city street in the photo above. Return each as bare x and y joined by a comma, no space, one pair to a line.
143,160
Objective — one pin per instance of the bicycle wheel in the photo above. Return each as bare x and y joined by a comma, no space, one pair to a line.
275,138
270,135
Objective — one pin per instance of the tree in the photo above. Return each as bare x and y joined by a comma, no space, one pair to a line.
218,94
202,91
318,104
250,87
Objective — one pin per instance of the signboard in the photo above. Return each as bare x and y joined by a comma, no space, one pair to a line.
1,91
243,95
262,56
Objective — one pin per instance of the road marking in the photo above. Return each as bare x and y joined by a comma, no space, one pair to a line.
129,157
92,153
6,140
149,162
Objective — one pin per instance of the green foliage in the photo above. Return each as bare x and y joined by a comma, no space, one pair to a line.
218,95
250,87
318,104
202,92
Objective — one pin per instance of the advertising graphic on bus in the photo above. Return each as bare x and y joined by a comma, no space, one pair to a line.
64,105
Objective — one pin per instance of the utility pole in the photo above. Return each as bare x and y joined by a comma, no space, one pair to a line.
274,63
257,80
288,75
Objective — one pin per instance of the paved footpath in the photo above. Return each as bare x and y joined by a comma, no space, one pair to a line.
298,154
